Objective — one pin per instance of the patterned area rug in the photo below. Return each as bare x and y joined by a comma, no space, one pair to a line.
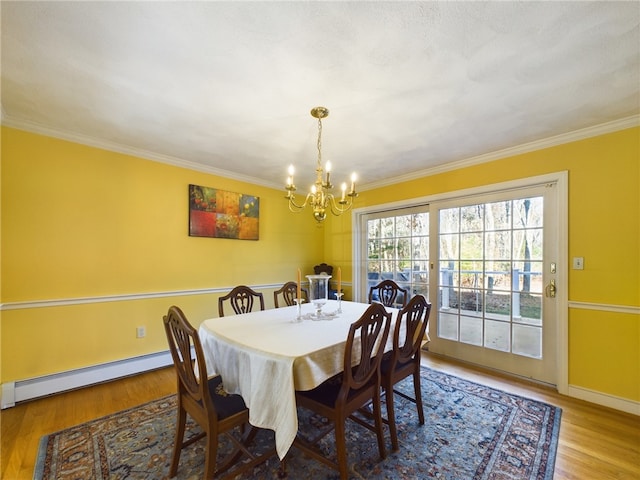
471,432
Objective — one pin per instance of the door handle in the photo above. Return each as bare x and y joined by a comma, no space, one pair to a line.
550,290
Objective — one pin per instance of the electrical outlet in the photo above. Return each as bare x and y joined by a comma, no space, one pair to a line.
141,332
578,263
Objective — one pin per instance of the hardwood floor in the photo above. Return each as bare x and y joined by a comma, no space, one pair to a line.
595,442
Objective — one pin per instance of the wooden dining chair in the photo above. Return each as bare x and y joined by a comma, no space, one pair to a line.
206,402
389,293
339,397
288,292
404,359
241,299
322,268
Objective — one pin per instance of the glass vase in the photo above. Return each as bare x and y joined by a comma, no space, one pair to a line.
318,291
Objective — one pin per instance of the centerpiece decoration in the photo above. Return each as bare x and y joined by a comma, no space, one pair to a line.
318,295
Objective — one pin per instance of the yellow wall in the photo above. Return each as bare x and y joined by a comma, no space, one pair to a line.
82,222
604,228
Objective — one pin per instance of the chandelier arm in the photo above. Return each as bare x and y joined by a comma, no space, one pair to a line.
293,206
340,207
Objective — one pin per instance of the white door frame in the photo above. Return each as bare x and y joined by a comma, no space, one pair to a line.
561,180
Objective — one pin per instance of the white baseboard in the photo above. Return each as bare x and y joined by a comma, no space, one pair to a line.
13,392
604,399
18,391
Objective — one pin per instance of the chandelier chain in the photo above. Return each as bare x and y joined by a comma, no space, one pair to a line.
319,143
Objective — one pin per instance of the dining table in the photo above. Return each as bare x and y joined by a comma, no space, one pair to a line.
266,355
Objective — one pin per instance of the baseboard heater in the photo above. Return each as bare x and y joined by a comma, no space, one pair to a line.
14,392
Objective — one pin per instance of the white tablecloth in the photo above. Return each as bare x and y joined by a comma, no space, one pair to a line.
266,356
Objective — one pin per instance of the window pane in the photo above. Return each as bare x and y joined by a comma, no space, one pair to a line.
373,229
388,249
449,247
497,245
387,227
471,330
498,275
530,309
449,274
497,335
471,246
404,249
449,222
388,269
471,275
403,226
420,224
420,278
498,216
373,249
497,305
527,341
472,218
527,277
470,300
449,299
527,212
448,326
530,276
527,244
420,247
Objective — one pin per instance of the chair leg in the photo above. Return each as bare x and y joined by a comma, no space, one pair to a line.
418,393
341,448
391,417
210,454
377,414
177,444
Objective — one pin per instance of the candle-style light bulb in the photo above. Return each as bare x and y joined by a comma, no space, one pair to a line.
290,178
327,168
343,187
354,177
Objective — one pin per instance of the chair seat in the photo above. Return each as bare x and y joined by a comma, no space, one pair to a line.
386,366
227,404
327,392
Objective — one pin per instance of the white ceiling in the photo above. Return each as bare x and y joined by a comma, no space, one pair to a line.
227,87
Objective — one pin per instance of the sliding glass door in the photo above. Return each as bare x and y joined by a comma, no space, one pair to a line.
488,262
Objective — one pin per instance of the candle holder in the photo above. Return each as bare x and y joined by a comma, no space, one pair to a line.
298,309
339,296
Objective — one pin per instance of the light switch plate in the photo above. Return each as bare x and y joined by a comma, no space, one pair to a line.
578,263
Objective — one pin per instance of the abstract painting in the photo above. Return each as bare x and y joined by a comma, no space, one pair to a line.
220,214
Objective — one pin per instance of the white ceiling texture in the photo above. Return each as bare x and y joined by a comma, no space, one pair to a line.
227,87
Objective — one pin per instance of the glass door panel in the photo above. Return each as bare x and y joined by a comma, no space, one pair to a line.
490,283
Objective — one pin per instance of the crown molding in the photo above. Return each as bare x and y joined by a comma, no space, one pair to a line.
588,132
128,150
584,133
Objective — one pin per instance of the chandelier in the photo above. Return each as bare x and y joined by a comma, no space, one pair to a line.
320,197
